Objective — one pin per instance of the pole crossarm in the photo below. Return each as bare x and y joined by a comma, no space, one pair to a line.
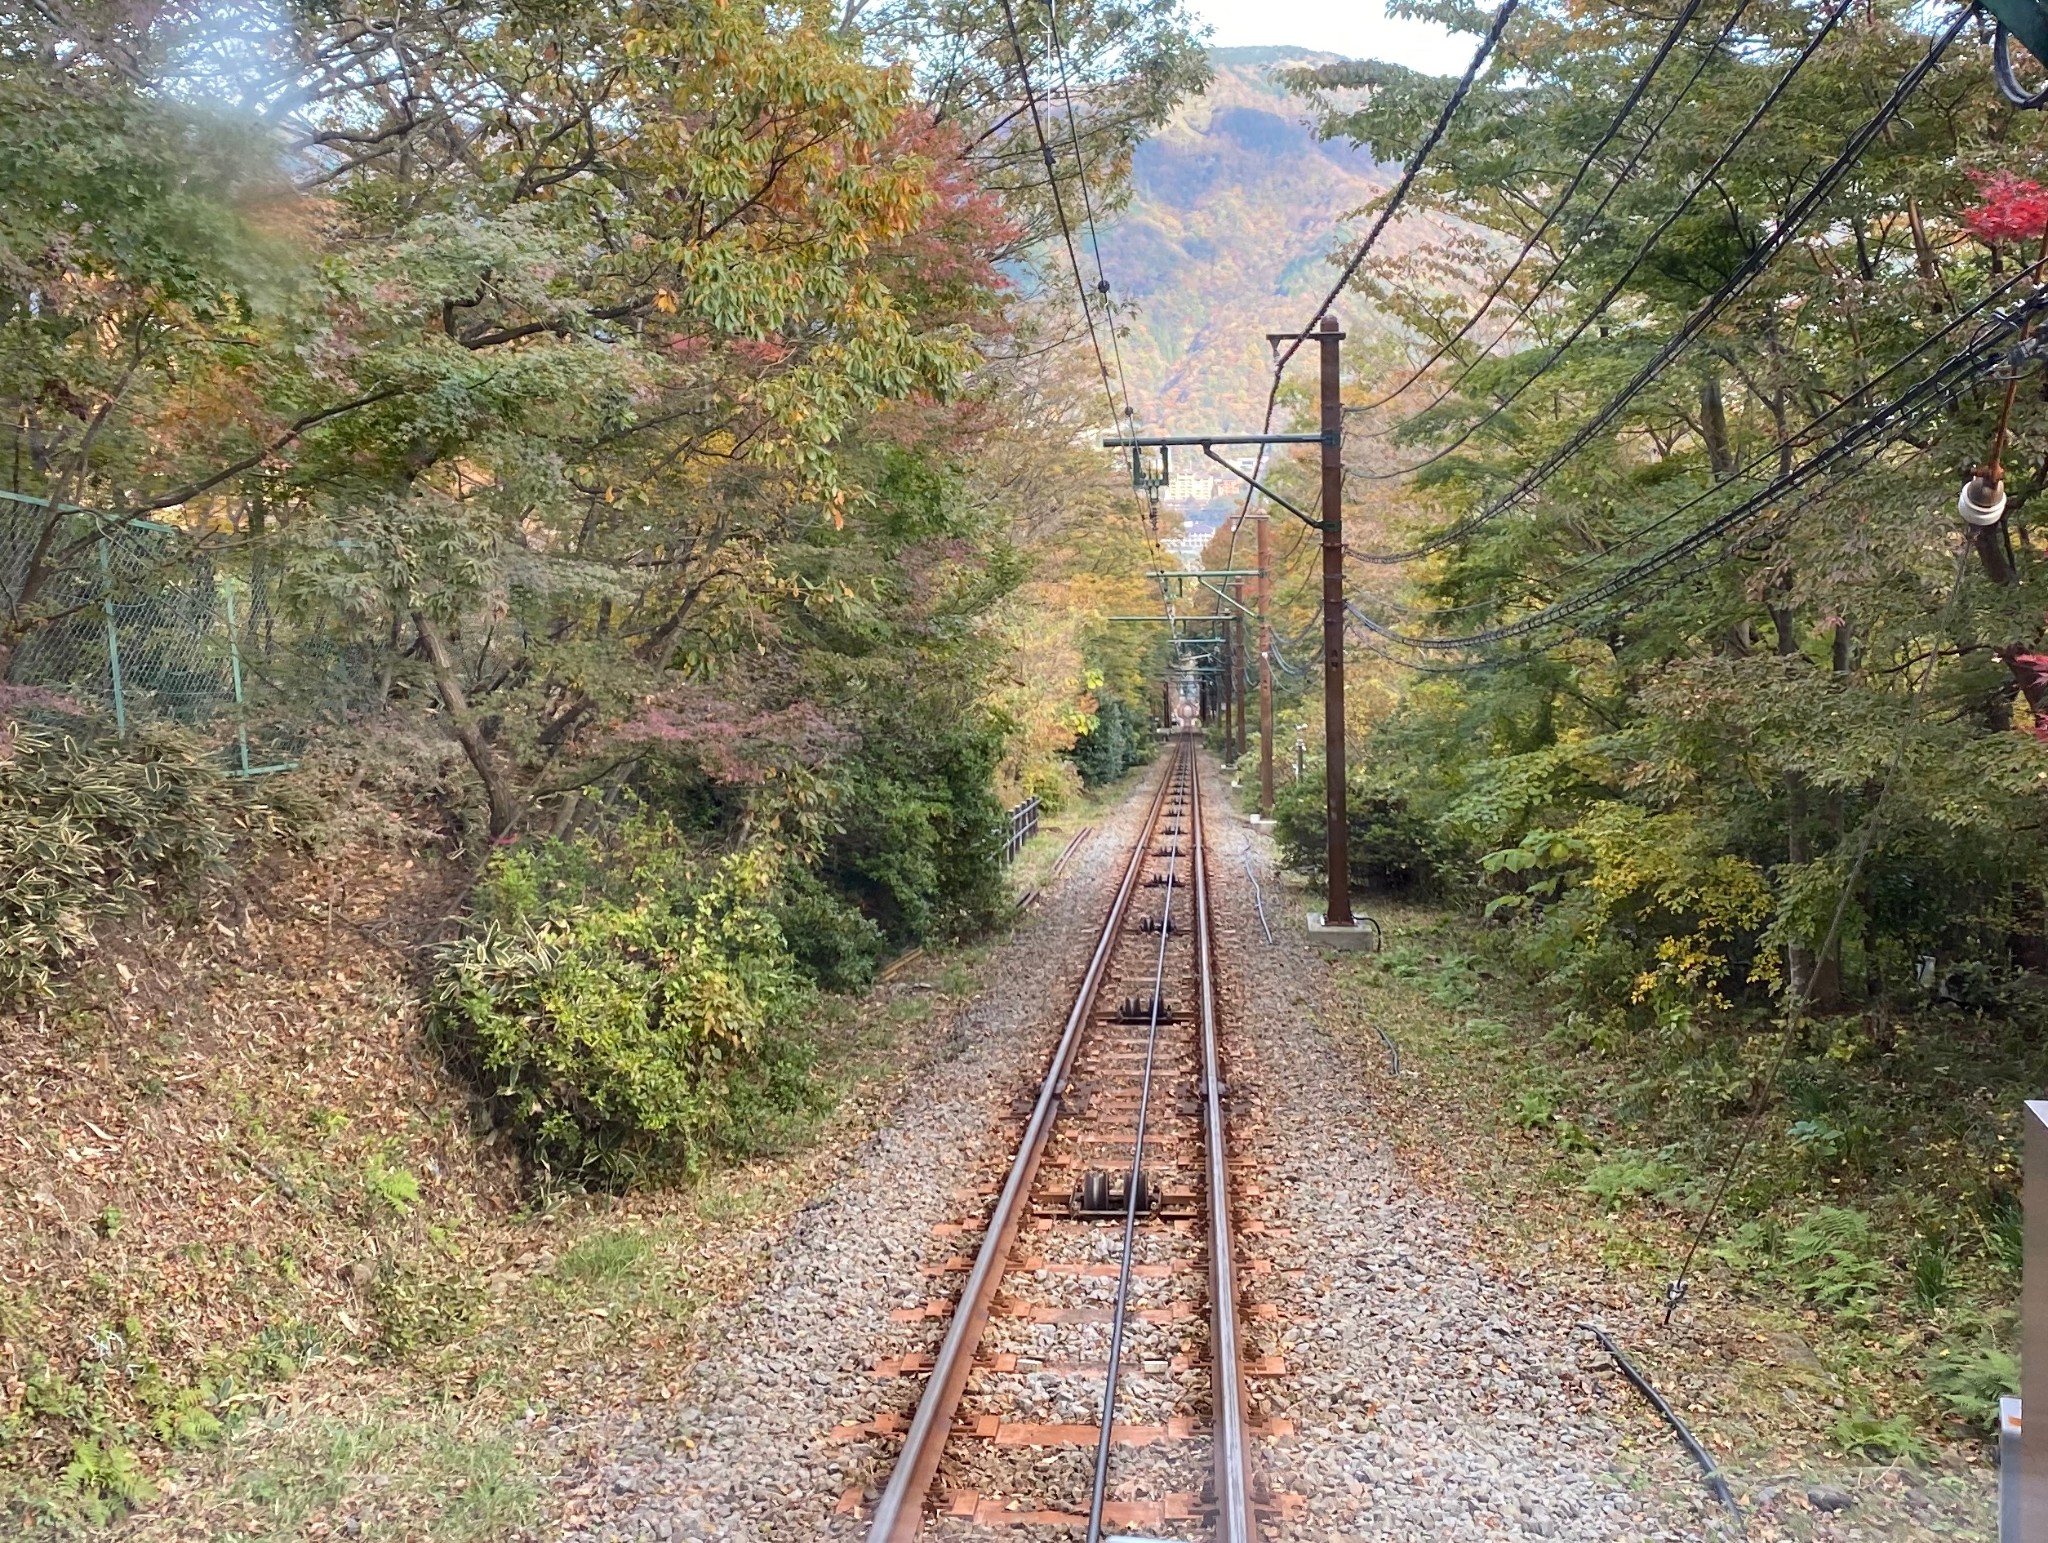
1204,573
1203,441
1178,620
1329,439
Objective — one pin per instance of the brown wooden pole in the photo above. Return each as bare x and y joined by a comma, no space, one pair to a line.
1238,662
1337,911
1223,686
1265,674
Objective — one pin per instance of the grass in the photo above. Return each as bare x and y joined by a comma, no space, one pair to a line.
385,1474
275,1279
1854,1301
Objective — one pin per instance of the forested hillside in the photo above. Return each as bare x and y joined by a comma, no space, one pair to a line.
1235,207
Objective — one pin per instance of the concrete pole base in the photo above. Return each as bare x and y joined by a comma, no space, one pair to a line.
1361,936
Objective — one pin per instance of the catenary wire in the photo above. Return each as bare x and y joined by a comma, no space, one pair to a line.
1058,203
1396,198
1587,226
1697,322
1059,55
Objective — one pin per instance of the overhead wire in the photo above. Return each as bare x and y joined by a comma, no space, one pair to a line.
1059,55
1930,390
1758,258
1587,225
1550,218
1058,203
1726,291
1778,448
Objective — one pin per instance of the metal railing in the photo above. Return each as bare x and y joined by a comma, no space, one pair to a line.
1023,826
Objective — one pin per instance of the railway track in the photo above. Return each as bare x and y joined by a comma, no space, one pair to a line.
1090,1380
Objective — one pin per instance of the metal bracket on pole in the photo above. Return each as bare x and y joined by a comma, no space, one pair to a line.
1307,519
1207,444
1235,604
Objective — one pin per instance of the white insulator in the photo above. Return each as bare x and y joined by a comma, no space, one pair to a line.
1982,503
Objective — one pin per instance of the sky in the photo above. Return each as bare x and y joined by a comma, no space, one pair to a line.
1357,28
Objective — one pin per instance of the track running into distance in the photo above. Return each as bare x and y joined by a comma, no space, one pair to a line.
1090,1379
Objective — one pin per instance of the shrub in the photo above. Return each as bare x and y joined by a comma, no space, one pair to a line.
1393,849
620,1037
829,938
1120,739
89,826
919,841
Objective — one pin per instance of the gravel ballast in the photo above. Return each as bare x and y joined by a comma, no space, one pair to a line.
1427,1397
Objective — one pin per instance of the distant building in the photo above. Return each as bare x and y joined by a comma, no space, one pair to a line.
1190,487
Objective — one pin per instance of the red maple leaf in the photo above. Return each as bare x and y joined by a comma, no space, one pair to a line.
2013,209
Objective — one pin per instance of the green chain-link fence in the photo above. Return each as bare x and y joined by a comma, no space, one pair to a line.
134,620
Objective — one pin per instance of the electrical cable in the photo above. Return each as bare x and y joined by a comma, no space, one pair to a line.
1395,199
1572,186
1773,452
1930,390
1059,55
1059,204
1759,257
1718,299
1587,227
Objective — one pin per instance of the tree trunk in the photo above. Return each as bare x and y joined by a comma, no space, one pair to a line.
1817,981
1714,429
497,787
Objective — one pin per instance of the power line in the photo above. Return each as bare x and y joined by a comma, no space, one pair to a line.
1587,226
1715,301
1586,165
1059,55
1697,322
1778,448
1931,390
1059,205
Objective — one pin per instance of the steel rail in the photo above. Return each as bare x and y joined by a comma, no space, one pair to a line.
898,1514
1231,1439
1181,777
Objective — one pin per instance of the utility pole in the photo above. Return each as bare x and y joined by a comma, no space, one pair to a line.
1338,911
1229,703
1336,926
1239,660
1265,674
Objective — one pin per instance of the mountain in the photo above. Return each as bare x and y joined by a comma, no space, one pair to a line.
1236,210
